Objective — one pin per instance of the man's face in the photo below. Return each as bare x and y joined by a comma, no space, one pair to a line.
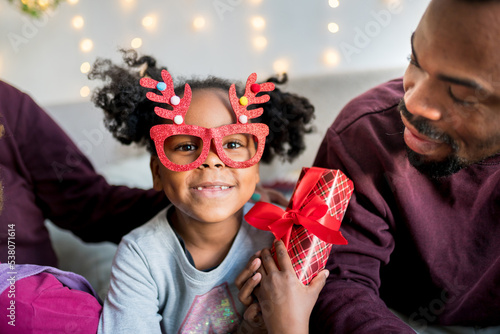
451,106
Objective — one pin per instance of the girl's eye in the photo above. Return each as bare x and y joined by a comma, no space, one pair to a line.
232,145
186,147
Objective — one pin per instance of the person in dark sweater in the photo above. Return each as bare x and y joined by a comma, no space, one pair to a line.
423,153
45,176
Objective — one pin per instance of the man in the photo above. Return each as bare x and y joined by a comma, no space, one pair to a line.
423,153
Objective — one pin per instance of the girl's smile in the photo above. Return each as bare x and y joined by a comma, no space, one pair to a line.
212,192
212,189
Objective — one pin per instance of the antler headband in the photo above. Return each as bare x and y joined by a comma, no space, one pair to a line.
160,133
180,106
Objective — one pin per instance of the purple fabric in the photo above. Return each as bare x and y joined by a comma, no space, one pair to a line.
45,176
428,249
20,271
42,304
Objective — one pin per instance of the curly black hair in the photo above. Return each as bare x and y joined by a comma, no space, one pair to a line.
129,115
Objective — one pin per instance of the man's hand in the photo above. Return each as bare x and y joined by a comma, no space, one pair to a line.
285,304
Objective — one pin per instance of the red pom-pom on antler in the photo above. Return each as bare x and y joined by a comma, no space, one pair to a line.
251,89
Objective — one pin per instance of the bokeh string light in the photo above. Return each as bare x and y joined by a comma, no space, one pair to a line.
329,57
35,8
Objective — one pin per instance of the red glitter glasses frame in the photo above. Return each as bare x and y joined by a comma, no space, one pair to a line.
159,133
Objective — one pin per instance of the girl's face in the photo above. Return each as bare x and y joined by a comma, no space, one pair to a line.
212,192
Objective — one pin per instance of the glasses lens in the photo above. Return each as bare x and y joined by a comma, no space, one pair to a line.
240,146
183,149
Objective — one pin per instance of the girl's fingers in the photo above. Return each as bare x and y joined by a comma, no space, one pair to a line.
251,267
252,313
245,295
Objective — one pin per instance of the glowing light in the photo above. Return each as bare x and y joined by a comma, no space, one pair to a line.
43,3
136,43
72,2
86,45
258,22
85,67
281,66
149,22
331,57
260,42
394,3
77,22
199,23
84,91
256,2
128,4
333,3
333,27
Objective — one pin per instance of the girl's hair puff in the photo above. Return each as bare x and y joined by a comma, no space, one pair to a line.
288,116
129,115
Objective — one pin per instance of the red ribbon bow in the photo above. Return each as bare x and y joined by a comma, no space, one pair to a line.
266,216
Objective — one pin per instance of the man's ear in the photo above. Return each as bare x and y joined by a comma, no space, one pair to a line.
155,164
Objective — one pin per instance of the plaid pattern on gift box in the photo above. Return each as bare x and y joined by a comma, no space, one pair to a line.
307,252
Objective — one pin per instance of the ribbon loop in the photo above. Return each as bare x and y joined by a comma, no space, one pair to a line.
266,216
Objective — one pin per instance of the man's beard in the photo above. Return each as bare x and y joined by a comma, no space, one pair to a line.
434,169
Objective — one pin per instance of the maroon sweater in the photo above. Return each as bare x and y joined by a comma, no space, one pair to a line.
45,176
428,249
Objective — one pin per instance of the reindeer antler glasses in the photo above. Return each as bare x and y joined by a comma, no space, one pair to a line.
183,147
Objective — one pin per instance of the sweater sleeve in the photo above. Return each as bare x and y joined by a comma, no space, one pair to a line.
350,301
68,190
132,304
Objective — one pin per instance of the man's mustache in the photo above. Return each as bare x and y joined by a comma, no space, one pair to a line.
424,127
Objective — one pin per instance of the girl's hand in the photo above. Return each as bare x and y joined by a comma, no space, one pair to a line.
286,304
248,279
252,321
246,282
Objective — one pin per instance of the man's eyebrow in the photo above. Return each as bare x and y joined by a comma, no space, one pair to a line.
461,82
457,81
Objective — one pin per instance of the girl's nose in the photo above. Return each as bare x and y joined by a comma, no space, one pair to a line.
212,160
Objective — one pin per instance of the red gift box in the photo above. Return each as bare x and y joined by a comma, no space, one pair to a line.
310,224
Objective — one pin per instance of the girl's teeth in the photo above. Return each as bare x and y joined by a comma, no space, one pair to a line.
221,187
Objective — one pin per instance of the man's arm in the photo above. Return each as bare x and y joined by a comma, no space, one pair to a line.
67,188
363,142
350,302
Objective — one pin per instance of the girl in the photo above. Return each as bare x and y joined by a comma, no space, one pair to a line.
176,273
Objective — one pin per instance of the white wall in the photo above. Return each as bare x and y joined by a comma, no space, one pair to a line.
43,57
